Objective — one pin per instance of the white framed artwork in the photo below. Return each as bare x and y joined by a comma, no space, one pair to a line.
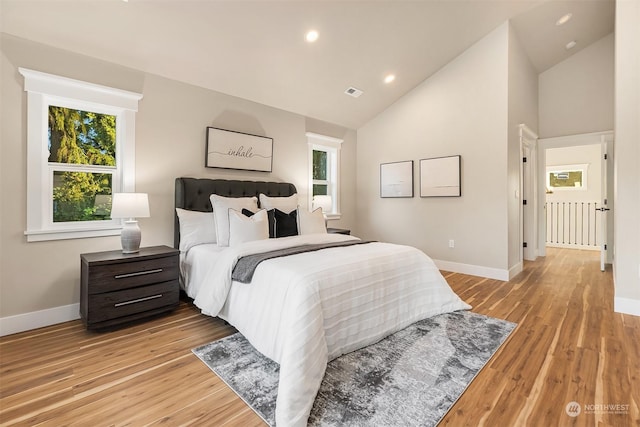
440,177
396,179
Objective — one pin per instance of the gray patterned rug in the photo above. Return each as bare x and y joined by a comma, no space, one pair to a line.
410,378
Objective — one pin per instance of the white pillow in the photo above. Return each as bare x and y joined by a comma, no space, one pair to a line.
221,206
245,229
285,204
196,228
311,222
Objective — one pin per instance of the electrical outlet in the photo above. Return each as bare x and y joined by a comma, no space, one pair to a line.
451,243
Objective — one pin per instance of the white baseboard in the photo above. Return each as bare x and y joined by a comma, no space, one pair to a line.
38,319
626,306
473,270
515,270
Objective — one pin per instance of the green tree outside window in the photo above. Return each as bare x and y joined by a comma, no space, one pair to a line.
81,138
320,172
572,179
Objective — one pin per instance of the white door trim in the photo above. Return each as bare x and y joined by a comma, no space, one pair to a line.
528,191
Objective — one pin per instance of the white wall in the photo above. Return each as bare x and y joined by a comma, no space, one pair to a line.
171,136
170,142
627,158
523,109
576,95
462,109
576,101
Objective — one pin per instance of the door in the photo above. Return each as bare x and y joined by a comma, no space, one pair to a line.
528,235
604,200
529,192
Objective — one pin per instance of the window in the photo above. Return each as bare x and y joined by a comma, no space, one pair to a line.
567,177
82,160
324,173
321,172
81,145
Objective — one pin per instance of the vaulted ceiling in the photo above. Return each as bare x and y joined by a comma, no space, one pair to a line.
256,50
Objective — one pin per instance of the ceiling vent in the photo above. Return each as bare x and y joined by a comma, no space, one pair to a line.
352,91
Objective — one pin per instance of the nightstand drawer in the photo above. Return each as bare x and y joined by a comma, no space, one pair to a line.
111,305
117,288
110,277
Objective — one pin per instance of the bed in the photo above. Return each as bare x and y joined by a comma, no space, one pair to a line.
306,309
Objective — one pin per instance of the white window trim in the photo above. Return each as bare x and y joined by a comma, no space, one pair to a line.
46,89
332,145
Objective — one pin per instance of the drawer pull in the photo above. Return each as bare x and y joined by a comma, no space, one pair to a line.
133,301
138,273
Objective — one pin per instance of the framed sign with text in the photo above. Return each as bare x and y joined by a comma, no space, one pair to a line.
236,150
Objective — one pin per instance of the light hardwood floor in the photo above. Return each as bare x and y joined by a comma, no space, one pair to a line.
569,346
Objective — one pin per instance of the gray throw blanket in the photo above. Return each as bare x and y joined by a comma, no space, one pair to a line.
246,265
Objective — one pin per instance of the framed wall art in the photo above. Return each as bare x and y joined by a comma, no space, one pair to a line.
236,150
396,179
440,177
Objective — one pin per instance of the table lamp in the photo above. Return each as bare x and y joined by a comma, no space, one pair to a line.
130,206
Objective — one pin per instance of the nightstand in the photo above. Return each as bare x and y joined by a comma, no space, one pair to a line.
338,231
117,288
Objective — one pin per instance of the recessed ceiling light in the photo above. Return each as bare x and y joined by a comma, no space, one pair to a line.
311,36
564,19
571,44
389,78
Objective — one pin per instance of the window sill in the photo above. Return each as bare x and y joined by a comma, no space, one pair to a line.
64,234
334,216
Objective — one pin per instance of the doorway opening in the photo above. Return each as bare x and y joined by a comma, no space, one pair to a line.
574,206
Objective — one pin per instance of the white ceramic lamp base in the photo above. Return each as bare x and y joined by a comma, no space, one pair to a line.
130,237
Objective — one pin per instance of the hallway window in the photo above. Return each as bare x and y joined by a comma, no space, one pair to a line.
567,177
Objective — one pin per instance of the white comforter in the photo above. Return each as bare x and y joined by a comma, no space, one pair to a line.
306,309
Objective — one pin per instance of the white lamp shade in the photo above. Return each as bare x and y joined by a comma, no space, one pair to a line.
324,202
130,205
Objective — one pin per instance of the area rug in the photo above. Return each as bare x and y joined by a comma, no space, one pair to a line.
410,378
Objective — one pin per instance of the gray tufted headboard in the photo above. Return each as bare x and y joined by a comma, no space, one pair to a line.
193,194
